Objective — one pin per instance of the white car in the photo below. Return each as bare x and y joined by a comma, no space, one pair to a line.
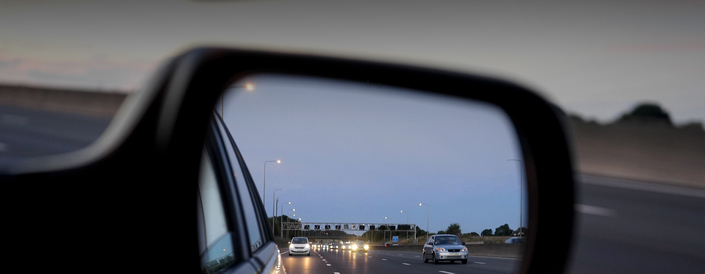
300,245
359,246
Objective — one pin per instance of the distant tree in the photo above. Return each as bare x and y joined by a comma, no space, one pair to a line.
420,231
503,230
454,229
486,232
647,112
441,232
474,234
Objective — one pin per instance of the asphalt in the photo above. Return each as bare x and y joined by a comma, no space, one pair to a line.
378,261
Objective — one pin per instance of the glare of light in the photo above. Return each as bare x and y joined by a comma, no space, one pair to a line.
250,87
419,204
279,161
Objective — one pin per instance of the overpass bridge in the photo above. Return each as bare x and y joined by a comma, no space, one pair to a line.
341,231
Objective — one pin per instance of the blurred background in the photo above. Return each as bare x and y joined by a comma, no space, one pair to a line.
629,74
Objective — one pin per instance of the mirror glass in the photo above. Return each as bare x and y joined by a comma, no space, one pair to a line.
357,155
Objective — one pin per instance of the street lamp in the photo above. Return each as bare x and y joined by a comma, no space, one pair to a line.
420,204
273,207
521,192
407,222
264,189
222,100
384,232
281,222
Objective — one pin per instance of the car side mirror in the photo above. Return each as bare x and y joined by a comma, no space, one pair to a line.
157,138
463,243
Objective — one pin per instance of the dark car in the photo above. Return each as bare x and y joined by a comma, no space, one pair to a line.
514,240
387,244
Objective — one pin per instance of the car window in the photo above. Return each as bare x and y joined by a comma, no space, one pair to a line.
254,223
448,240
215,243
299,241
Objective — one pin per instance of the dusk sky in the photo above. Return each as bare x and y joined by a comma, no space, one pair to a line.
594,58
359,153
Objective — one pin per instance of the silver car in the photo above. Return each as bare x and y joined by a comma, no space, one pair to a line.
445,247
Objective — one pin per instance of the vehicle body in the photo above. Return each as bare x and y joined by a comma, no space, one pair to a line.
299,246
359,246
514,240
387,244
335,245
445,247
345,245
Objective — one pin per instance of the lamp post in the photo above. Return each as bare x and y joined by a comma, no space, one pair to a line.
264,189
281,222
384,232
222,100
420,204
273,206
407,222
521,192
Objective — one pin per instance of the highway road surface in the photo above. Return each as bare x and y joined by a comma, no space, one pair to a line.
380,261
623,226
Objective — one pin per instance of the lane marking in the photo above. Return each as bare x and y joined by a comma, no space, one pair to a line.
637,185
285,252
401,254
595,210
405,264
3,147
446,272
417,256
327,264
478,263
384,259
336,272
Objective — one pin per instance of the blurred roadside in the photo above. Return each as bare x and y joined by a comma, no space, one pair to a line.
642,145
83,102
647,149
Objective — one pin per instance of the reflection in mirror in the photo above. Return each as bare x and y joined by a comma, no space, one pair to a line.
372,155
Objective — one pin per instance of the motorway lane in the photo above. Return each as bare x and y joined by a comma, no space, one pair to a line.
636,227
379,261
29,132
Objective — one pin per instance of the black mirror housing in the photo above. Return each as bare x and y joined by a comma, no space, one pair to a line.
152,151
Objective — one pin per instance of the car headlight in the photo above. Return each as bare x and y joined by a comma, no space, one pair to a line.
464,249
367,247
291,246
308,246
440,249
